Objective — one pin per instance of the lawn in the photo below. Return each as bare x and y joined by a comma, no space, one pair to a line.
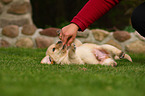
21,74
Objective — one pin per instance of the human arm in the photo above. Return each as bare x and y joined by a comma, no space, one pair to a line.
93,10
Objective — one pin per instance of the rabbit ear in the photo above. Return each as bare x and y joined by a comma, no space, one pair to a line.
127,57
46,60
58,32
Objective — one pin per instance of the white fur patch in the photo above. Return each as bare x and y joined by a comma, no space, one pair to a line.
45,60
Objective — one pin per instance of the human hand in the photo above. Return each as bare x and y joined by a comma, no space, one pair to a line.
68,34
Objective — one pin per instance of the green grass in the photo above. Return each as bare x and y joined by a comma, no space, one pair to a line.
129,29
21,74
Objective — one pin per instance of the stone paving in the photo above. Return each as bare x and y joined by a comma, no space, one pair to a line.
28,36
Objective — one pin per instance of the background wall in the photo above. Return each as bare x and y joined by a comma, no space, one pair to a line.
57,13
16,32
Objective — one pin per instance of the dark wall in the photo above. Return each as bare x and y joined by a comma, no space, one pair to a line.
57,13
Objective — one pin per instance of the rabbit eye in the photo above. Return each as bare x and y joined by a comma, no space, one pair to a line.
53,49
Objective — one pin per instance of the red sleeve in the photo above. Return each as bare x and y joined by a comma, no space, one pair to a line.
92,11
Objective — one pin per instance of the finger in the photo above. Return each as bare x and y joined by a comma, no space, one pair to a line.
60,35
64,40
70,41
